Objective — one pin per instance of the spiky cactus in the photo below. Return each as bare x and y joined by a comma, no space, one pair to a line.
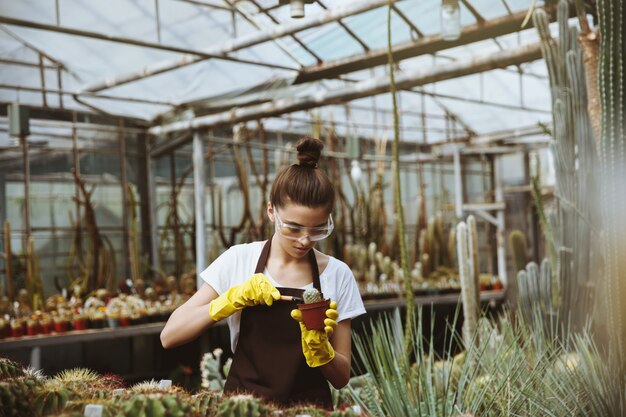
154,387
535,292
311,295
517,242
613,152
206,402
302,410
573,148
469,292
241,406
50,400
156,405
10,369
16,396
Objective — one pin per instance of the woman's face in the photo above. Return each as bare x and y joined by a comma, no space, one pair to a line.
300,216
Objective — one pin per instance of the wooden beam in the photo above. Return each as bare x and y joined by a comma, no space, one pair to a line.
423,46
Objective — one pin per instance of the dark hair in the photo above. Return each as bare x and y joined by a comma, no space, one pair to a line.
304,183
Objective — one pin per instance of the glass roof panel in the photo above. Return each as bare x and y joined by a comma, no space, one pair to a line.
197,27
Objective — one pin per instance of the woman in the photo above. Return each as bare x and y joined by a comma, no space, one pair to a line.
276,357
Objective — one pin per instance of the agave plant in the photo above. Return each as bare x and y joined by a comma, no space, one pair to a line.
515,370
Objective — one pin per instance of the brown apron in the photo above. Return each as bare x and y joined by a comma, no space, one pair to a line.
268,359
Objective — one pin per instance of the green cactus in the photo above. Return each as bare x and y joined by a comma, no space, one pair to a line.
535,292
474,264
311,295
468,285
16,396
156,405
51,400
83,383
452,261
241,406
206,402
545,285
573,147
613,150
154,387
517,243
10,369
302,410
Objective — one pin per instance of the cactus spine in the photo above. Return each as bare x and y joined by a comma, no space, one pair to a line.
613,152
311,295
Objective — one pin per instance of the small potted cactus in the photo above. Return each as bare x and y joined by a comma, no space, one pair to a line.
60,324
17,329
45,324
314,309
32,326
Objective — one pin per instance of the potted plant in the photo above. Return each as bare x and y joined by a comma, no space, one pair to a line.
314,309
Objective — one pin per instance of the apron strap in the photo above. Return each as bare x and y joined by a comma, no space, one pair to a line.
260,266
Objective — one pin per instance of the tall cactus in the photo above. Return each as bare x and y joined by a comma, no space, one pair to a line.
535,292
574,226
611,80
469,293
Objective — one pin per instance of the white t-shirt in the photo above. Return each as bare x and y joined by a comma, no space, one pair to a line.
238,263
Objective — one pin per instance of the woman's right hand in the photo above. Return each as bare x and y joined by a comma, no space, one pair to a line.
257,290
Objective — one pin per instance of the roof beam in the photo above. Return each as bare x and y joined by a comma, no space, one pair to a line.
243,42
404,80
422,46
127,41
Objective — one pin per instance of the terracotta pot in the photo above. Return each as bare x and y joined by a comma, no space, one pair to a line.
46,328
314,314
124,321
17,331
79,324
32,329
60,326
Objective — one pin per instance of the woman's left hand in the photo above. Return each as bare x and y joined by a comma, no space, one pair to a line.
315,344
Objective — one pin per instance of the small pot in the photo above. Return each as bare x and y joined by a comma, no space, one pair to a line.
61,326
314,314
33,329
46,327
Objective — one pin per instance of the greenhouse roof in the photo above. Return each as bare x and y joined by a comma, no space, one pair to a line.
210,55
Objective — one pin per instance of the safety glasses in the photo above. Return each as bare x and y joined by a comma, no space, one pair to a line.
293,232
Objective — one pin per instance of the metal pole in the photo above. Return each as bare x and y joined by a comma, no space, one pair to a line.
499,197
366,88
458,184
199,205
3,264
152,208
42,76
26,162
158,20
76,163
124,184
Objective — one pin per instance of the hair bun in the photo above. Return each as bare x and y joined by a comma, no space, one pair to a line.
309,151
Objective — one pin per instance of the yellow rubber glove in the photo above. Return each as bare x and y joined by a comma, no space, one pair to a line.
256,290
315,344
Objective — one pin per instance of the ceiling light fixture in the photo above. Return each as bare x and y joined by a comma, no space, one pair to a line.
450,20
297,7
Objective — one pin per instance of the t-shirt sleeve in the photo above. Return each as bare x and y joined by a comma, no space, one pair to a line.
349,302
219,274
